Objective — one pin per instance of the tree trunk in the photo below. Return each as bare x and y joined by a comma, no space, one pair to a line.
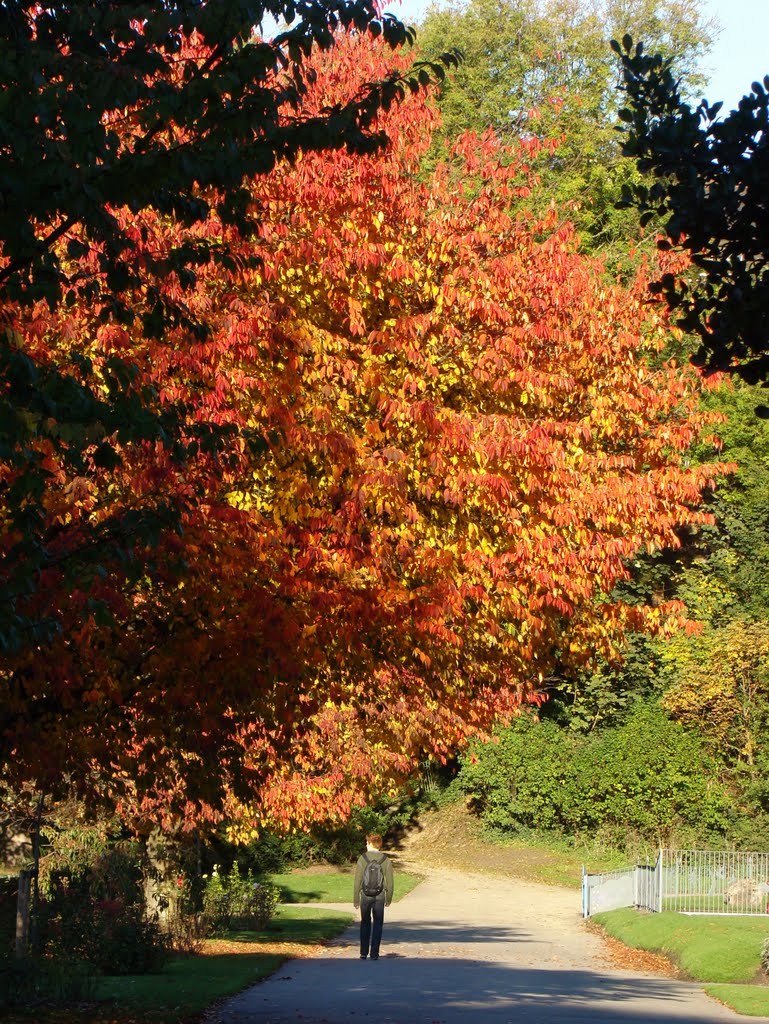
22,913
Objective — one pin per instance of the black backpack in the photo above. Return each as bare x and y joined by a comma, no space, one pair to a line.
373,877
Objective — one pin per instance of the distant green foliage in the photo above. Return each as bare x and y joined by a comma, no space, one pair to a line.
520,778
714,682
648,778
546,70
604,695
729,578
717,681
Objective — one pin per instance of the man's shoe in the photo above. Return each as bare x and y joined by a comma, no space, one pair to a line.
363,956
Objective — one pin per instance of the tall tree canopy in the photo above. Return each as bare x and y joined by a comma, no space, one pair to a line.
712,188
465,434
106,119
544,68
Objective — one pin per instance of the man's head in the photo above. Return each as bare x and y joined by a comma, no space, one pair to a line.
374,841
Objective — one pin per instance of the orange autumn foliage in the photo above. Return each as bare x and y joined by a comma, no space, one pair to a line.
450,436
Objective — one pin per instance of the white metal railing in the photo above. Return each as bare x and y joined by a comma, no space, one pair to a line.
647,886
711,882
686,881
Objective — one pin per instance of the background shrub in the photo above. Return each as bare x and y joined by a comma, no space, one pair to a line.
653,777
645,781
518,780
98,915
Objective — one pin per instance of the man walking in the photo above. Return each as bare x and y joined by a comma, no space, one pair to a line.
372,892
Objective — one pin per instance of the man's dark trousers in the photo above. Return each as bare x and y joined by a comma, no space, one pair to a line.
371,907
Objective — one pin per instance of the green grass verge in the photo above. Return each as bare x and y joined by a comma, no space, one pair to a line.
715,949
188,986
565,867
725,950
749,1000
331,886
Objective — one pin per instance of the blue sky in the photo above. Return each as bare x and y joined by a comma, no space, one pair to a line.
740,56
741,53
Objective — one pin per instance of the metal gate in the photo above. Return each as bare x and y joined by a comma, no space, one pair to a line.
609,890
613,890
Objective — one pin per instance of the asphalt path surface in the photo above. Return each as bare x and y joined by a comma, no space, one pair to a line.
474,949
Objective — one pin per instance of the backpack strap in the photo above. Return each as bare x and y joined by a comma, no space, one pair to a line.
368,861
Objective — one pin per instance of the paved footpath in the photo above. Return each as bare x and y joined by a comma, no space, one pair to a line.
474,949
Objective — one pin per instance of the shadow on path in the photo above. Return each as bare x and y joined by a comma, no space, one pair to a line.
425,933
399,989
480,950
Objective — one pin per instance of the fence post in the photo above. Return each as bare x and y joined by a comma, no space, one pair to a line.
22,912
585,907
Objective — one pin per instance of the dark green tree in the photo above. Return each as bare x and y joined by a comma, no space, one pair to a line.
711,188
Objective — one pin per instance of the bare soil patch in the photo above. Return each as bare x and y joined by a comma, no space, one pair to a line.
450,837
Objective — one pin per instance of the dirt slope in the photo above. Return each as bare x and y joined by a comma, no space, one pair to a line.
450,837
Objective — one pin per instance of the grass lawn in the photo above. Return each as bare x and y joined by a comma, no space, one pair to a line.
554,861
190,985
721,950
565,867
750,1000
302,925
186,987
332,885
